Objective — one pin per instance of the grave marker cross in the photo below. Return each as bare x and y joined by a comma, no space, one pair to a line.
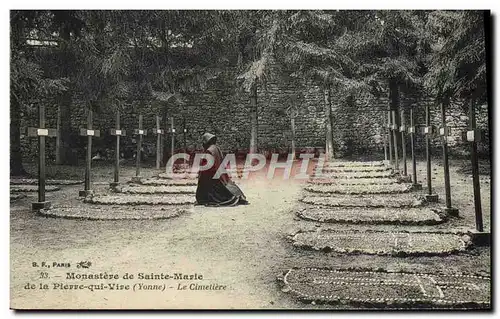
389,135
411,129
474,136
172,131
395,137
428,136
41,132
443,131
118,132
140,132
185,134
402,129
292,113
159,136
90,133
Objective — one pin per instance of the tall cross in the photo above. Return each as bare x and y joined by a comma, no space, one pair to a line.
184,130
402,129
411,130
140,132
159,135
389,135
474,136
172,131
428,131
90,133
443,132
118,132
292,113
41,132
395,137
385,144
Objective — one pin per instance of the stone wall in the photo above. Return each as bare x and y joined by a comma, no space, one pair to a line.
223,109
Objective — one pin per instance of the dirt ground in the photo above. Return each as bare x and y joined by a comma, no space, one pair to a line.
244,248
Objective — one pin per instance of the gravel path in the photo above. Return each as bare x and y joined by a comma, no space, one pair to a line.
243,247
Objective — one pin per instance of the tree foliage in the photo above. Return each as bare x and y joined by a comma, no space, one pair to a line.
120,57
457,65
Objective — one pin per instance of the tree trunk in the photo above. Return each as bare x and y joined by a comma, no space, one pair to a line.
17,45
394,96
292,128
64,149
165,148
330,154
253,120
16,158
58,136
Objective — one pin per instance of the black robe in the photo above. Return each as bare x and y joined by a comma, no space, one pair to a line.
217,192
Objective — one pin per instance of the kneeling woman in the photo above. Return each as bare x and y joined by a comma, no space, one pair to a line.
220,191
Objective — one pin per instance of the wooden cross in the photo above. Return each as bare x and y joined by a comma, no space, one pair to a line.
402,129
159,135
118,132
474,136
90,133
443,131
428,131
292,113
411,130
140,132
385,145
184,130
41,132
394,128
389,135
172,131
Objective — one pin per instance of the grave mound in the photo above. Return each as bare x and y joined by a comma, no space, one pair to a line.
32,188
352,181
387,289
354,164
408,216
110,212
401,200
360,189
132,199
166,182
355,169
178,176
382,243
16,196
30,181
383,174
156,189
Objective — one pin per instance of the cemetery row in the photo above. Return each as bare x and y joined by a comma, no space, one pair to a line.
376,194
390,150
380,193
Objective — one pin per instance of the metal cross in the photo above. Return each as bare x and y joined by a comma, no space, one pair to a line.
90,133
389,135
394,128
402,129
159,136
443,131
428,131
474,136
412,132
172,131
41,132
140,132
292,113
118,132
